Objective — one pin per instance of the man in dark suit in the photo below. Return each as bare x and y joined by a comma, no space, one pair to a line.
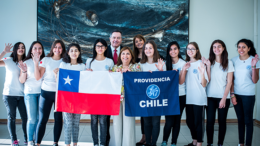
113,51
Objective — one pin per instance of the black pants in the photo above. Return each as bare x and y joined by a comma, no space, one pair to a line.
108,127
142,125
172,123
213,105
195,121
152,129
47,99
244,110
11,104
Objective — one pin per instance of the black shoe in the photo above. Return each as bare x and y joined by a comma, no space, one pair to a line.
140,144
55,144
190,144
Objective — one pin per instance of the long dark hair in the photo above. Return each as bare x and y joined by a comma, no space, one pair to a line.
135,49
224,55
168,56
250,44
53,46
198,55
103,42
156,55
66,57
29,54
14,54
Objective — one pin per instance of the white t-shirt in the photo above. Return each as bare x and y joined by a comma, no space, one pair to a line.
103,65
179,65
12,86
243,84
78,67
147,66
218,80
31,85
195,92
49,81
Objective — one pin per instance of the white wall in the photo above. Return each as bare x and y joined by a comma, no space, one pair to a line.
209,20
258,50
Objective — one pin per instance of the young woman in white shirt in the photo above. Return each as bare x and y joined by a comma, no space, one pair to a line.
99,62
32,88
138,43
246,75
44,70
174,61
72,61
13,95
221,75
151,62
196,98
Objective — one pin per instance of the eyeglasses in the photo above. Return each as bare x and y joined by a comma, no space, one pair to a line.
193,50
100,46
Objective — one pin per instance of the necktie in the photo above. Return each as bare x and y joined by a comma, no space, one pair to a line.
115,56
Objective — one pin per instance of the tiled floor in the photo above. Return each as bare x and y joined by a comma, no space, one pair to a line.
85,138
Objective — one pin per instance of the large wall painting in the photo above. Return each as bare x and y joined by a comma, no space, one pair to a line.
83,21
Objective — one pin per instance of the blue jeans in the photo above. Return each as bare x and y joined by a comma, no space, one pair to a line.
11,104
32,106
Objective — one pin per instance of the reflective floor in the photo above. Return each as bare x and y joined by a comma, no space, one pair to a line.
85,138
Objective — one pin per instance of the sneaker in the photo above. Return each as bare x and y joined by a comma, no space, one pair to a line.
96,145
219,145
209,144
15,143
55,144
164,143
25,142
173,144
31,143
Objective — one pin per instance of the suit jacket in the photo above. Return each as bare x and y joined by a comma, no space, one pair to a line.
109,52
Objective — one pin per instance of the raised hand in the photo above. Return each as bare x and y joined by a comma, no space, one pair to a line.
255,60
22,66
206,61
125,70
201,68
160,64
186,66
8,48
36,58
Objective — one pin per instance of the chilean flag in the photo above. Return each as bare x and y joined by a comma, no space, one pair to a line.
88,92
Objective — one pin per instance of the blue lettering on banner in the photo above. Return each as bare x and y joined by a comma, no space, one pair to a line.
151,94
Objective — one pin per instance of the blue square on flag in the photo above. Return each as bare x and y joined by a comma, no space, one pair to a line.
151,94
68,80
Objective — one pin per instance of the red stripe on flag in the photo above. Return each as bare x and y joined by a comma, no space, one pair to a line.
83,103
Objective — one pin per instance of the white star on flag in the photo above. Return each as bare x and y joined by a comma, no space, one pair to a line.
67,80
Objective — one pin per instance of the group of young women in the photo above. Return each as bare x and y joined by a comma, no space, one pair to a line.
204,85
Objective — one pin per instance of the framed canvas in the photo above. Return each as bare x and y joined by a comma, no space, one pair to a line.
83,21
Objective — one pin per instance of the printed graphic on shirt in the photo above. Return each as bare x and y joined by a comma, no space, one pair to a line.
41,62
153,91
179,69
195,71
248,67
107,67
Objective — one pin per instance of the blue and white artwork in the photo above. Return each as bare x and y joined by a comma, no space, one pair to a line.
83,21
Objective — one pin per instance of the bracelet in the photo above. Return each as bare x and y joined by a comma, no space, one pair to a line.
232,96
24,72
253,67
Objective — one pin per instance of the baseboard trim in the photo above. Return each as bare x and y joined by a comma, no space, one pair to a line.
19,121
